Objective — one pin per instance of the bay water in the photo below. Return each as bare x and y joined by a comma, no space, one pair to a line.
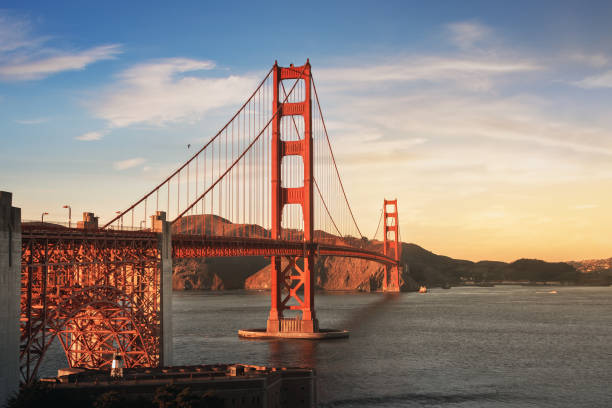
504,346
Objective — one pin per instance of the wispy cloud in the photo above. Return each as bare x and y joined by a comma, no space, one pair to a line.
128,163
603,80
168,90
466,35
90,136
35,121
430,68
584,206
24,56
15,33
21,68
592,60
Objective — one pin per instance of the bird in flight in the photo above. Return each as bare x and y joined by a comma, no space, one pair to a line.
188,145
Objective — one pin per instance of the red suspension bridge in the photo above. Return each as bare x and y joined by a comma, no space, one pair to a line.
267,184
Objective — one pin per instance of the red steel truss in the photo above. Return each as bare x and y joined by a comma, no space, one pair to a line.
98,291
391,247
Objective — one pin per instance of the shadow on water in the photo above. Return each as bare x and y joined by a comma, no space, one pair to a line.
361,317
303,353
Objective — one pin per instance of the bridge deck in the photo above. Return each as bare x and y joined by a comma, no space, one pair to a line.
200,246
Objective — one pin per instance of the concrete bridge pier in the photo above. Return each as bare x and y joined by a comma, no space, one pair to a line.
163,228
10,273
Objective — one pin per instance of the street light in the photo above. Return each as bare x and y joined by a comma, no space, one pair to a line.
42,216
120,221
69,215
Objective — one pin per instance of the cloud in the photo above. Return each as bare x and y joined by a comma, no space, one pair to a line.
24,56
592,60
15,33
128,164
453,121
425,120
603,80
89,136
585,206
34,121
169,90
38,67
465,71
467,34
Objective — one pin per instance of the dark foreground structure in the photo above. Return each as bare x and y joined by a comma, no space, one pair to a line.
223,385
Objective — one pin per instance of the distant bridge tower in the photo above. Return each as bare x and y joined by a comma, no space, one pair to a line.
392,248
291,277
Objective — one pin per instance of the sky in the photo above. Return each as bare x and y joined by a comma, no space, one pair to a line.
489,121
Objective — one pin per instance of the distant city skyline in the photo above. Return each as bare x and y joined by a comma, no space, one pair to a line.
490,123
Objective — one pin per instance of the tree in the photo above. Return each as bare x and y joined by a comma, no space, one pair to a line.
110,399
165,397
35,395
187,399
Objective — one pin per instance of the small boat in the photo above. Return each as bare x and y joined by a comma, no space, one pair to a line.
422,289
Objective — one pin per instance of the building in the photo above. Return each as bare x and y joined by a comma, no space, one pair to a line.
237,385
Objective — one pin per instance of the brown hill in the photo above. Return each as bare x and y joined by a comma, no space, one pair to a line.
337,273
592,265
594,271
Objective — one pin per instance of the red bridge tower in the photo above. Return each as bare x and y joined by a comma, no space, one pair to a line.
291,277
392,249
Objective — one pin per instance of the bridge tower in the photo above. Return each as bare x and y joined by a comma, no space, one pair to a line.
291,277
392,248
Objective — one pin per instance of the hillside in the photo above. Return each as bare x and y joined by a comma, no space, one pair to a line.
594,271
334,273
592,265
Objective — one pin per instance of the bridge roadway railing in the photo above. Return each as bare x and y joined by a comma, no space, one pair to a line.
198,246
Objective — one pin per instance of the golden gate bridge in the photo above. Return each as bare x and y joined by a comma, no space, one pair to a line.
267,184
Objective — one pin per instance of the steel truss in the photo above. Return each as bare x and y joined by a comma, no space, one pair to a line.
97,291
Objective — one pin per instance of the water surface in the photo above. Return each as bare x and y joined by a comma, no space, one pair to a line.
507,346
464,347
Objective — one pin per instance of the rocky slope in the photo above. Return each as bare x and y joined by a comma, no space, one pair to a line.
332,273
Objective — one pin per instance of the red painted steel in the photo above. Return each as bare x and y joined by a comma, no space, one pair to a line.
391,246
97,290
287,282
197,246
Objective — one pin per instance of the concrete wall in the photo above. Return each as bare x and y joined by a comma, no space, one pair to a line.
10,273
167,345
